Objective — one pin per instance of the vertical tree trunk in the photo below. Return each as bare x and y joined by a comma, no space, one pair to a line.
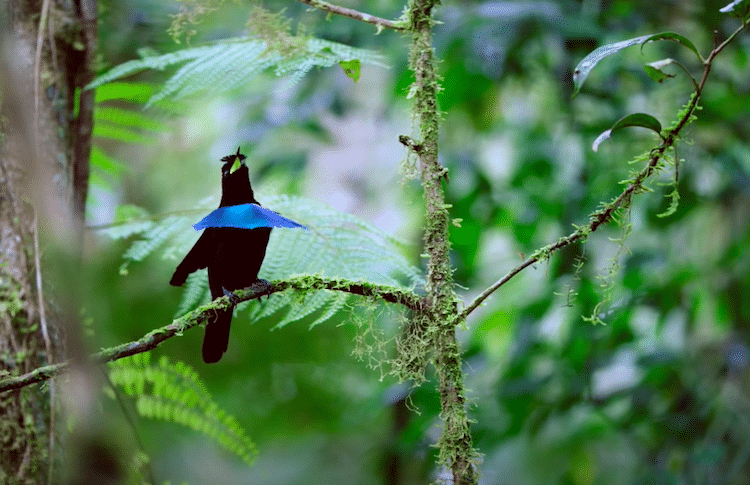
44,161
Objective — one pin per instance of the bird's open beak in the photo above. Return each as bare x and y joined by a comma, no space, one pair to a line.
237,162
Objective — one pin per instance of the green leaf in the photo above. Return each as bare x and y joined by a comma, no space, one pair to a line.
127,118
636,119
174,393
351,68
654,70
134,92
675,38
736,8
115,132
584,68
587,64
232,63
236,165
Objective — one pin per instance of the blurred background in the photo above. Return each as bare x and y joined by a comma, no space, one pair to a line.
658,394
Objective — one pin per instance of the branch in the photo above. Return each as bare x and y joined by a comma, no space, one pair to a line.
380,23
152,339
605,214
456,450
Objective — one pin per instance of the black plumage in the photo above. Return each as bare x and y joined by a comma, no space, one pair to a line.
233,256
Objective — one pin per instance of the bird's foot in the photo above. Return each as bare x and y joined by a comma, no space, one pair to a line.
263,286
232,297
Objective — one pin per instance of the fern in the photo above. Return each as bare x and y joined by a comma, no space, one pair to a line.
174,393
231,63
336,245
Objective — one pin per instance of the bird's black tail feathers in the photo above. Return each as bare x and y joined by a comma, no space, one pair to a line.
216,340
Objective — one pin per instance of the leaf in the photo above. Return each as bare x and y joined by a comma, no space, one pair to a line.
134,92
234,62
654,70
121,133
587,64
104,162
736,9
351,68
637,119
174,393
127,118
236,165
675,38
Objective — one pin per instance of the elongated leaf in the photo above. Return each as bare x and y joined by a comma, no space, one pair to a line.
675,38
583,69
156,62
637,119
121,133
245,216
135,92
127,118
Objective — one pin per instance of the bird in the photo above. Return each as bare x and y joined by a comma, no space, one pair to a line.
233,255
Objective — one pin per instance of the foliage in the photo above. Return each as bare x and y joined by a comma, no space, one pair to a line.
336,245
174,393
652,396
232,63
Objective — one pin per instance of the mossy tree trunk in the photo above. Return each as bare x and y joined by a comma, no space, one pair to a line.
46,56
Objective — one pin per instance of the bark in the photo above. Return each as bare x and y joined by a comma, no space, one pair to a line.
41,67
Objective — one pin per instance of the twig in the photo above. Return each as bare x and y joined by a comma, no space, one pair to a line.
131,422
37,70
380,23
605,215
152,339
47,345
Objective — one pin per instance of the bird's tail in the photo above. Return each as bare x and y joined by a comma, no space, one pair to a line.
216,340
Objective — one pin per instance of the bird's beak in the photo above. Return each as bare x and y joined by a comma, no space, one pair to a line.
237,162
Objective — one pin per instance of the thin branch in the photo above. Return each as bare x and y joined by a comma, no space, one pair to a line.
380,23
152,339
47,345
605,215
133,426
37,70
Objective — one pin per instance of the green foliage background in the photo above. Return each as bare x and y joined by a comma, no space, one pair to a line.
657,395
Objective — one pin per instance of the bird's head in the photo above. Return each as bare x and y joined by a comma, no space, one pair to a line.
232,163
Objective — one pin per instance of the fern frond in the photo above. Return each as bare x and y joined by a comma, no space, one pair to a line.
196,293
336,245
174,393
157,235
234,62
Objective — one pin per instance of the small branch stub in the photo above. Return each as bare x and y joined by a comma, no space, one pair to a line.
411,144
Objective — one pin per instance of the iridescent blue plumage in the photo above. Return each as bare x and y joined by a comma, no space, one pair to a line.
245,216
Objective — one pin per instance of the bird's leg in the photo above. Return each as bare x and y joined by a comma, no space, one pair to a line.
234,299
263,285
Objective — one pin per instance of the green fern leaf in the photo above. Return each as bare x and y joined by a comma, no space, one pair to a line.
234,62
196,293
174,393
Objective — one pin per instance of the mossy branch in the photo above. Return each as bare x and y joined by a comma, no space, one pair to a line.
456,451
635,185
152,339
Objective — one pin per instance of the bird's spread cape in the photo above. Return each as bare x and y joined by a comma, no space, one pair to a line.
245,216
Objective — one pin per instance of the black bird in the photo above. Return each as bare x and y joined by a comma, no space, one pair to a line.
233,256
